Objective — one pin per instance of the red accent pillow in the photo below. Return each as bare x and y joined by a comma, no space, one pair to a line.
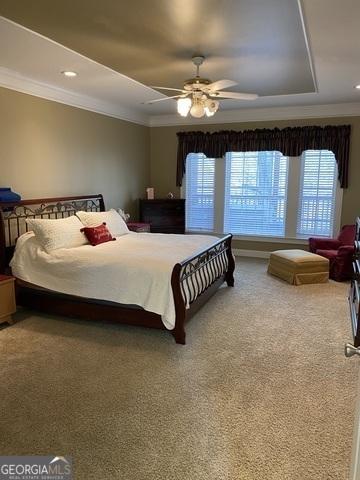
97,235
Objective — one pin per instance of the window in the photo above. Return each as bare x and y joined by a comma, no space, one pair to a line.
263,194
317,193
200,192
255,193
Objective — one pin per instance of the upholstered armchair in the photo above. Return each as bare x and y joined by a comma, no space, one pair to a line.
338,250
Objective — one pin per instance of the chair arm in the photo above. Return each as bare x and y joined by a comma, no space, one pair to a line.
341,267
323,244
346,251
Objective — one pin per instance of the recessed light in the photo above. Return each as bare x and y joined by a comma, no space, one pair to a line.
69,73
357,86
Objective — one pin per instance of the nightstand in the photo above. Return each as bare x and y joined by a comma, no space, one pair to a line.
7,298
139,227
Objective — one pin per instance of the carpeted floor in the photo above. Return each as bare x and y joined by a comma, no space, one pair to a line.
262,389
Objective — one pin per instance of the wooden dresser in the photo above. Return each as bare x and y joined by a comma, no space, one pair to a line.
164,215
354,295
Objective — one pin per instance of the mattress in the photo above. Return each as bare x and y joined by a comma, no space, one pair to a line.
135,269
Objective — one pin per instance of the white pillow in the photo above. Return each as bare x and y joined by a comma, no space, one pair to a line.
113,220
59,233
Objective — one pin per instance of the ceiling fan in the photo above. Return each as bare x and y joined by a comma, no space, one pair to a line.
199,95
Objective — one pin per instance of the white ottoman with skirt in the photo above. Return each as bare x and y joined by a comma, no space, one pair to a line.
299,267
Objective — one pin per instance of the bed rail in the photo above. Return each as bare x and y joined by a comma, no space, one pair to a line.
199,276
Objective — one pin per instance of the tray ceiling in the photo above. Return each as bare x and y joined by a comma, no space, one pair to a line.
258,43
117,51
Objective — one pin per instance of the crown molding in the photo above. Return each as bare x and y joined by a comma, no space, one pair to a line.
261,115
14,81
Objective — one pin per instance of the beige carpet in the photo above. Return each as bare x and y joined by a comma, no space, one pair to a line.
261,391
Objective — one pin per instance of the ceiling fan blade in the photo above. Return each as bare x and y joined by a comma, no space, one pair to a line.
167,88
235,95
220,84
162,99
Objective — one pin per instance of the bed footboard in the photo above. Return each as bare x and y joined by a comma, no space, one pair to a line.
195,279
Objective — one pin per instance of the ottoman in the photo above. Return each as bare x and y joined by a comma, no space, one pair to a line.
299,267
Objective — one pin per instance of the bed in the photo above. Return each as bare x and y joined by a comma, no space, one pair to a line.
192,280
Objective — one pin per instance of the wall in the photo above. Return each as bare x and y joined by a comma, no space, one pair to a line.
51,149
163,143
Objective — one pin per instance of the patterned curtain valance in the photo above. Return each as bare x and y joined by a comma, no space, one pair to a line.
290,141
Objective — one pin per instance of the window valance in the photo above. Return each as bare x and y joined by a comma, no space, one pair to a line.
290,141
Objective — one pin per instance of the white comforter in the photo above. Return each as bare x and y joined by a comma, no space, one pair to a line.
135,269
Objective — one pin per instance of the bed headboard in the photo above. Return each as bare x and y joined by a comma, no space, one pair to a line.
13,216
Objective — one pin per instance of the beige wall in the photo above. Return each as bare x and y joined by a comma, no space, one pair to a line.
50,149
163,141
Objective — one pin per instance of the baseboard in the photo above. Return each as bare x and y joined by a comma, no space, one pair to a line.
240,252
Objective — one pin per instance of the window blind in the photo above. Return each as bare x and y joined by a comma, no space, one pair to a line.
200,192
317,193
255,193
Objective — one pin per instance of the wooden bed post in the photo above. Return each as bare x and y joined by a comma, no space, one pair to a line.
101,203
229,278
180,310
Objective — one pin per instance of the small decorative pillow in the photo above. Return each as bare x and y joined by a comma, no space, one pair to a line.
97,235
60,233
113,220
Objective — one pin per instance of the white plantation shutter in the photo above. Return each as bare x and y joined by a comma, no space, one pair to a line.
255,193
200,192
317,193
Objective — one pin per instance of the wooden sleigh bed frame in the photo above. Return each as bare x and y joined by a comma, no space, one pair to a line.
193,280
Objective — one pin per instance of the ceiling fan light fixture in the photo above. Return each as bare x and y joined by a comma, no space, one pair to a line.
212,105
183,106
198,95
197,110
198,106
